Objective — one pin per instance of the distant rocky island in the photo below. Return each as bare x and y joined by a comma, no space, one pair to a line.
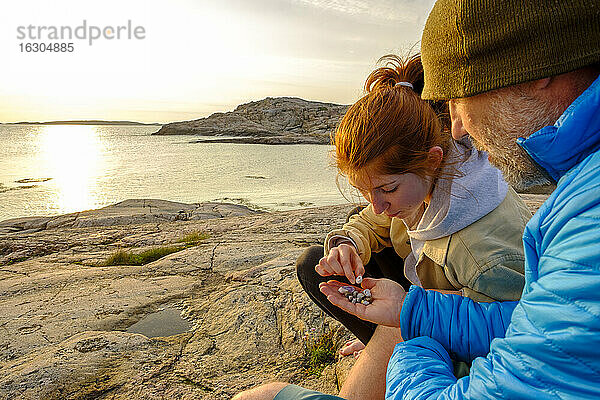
84,122
274,120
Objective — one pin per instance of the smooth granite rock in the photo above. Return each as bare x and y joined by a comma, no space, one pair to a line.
64,318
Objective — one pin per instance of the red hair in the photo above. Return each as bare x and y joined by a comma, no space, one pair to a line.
391,129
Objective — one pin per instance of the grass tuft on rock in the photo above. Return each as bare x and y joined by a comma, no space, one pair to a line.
320,351
194,238
128,258
123,257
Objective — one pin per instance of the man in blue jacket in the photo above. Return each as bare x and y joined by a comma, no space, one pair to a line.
522,80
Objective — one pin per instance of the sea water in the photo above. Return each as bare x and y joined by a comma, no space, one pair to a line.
57,169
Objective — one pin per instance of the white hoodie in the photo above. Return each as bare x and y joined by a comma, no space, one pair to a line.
456,203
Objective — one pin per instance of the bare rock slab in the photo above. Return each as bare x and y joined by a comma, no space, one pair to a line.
64,317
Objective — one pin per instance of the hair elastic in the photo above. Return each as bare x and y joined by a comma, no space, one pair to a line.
407,84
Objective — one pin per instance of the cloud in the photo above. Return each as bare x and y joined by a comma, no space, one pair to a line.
384,10
201,55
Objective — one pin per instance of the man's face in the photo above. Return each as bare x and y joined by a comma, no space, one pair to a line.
495,120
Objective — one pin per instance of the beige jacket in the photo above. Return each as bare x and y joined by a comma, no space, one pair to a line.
485,260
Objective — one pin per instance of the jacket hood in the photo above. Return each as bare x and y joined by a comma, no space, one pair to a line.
576,134
457,203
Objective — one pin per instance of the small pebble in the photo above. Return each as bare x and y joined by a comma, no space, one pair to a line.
354,295
359,279
350,289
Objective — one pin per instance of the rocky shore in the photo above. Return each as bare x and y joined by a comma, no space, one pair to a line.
279,120
67,319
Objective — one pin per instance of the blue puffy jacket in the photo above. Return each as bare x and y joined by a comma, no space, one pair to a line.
547,345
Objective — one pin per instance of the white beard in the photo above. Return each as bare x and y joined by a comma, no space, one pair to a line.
511,115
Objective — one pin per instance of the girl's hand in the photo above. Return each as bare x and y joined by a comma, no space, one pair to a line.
387,295
342,260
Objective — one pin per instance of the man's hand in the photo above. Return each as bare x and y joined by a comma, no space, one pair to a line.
387,295
342,260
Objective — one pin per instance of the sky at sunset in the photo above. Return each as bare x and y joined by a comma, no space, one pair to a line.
196,57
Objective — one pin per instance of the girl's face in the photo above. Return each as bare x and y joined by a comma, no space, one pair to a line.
399,196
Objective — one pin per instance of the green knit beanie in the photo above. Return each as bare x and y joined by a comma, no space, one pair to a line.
473,46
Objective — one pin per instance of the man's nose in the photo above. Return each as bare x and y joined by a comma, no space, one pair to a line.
458,129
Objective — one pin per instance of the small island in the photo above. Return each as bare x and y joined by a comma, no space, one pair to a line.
274,120
84,122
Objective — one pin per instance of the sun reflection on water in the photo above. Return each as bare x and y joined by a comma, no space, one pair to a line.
72,156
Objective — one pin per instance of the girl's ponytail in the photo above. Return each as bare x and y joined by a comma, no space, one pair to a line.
391,128
395,72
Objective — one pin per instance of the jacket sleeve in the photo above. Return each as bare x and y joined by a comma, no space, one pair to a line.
421,369
438,327
551,348
462,326
369,231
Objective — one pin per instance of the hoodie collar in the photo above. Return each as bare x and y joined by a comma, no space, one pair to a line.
462,200
576,134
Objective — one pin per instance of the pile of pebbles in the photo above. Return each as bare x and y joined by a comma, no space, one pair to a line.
356,296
